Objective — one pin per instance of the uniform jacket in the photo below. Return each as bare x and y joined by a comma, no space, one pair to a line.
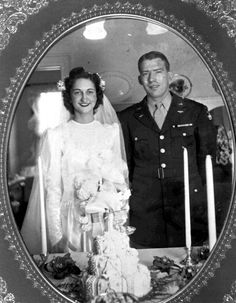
155,161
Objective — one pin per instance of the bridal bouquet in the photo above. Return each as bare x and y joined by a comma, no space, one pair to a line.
97,194
86,187
101,188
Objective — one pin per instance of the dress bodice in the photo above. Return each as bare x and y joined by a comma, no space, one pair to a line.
81,146
81,143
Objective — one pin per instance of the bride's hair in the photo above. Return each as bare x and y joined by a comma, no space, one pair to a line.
80,73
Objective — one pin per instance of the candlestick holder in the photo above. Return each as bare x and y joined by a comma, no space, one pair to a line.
189,257
189,260
42,259
190,265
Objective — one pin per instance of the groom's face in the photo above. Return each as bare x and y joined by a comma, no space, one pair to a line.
154,78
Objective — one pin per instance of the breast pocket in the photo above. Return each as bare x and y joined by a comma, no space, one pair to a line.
141,147
182,137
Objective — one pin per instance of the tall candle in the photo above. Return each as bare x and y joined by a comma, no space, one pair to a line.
84,241
89,244
210,203
42,208
187,201
110,221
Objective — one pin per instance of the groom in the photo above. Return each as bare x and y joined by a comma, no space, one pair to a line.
155,132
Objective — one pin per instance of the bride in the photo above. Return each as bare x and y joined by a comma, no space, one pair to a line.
84,170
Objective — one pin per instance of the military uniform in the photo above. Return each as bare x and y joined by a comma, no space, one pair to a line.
155,161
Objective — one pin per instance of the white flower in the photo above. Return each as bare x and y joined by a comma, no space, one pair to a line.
86,227
88,189
96,194
86,185
83,220
124,195
83,194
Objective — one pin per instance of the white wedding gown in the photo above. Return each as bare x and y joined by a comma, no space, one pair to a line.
68,151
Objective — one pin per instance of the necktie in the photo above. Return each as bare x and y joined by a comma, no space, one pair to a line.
159,115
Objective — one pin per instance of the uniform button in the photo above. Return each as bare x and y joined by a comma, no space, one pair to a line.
163,165
184,134
162,137
195,190
162,150
136,139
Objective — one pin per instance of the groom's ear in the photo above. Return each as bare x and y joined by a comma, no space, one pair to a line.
170,76
140,80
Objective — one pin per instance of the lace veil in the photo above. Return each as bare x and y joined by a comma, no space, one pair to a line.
107,115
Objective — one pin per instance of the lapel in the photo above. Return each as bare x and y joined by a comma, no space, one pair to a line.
175,114
143,115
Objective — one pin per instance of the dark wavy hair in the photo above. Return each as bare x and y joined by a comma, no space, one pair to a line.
80,73
153,55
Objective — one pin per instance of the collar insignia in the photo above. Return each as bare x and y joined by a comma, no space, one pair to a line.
209,116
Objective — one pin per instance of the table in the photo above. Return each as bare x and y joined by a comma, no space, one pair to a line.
145,255
160,290
175,253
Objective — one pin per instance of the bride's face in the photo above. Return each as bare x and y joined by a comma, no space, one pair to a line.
83,96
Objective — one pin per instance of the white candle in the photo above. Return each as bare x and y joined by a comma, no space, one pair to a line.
210,203
89,245
84,241
42,208
110,221
187,201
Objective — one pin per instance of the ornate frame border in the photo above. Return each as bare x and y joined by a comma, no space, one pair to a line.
17,12
223,12
14,13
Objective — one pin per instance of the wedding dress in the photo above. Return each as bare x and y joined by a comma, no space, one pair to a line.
70,152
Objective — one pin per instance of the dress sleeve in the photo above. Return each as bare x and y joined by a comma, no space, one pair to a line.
128,143
51,153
